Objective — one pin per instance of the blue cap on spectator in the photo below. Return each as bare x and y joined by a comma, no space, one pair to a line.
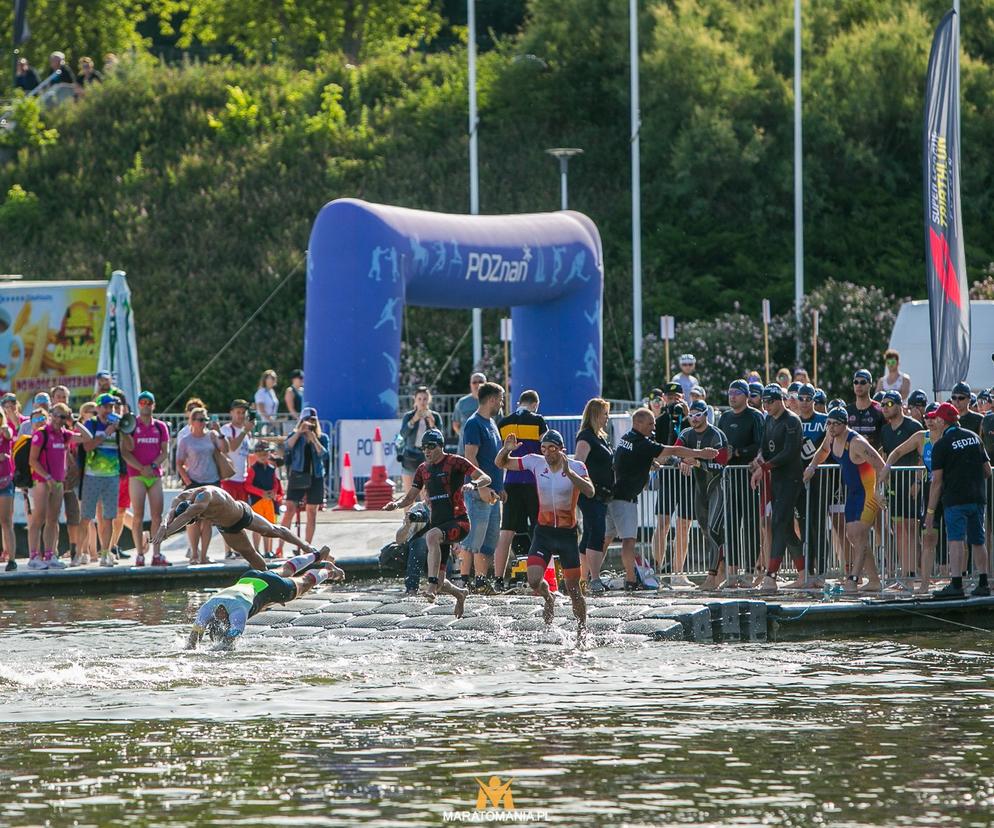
10,396
698,407
819,395
146,395
839,415
432,437
741,386
893,396
918,397
42,398
106,399
773,392
862,373
755,389
806,390
554,437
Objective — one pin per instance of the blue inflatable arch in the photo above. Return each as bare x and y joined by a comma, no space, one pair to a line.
365,261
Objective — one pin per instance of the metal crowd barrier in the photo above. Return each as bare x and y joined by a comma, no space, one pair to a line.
683,521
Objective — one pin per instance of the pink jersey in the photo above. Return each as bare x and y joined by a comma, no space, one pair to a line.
148,440
54,444
7,467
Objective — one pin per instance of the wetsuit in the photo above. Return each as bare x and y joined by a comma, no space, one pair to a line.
782,456
941,550
860,480
555,533
745,433
706,477
814,509
444,481
900,501
668,425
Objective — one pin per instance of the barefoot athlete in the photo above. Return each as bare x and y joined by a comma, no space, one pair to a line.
859,464
224,614
444,476
559,482
233,518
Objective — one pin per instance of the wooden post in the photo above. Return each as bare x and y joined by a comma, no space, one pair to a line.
766,337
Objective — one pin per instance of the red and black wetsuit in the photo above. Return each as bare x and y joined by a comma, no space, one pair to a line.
444,481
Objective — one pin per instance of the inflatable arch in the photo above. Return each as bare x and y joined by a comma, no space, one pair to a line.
365,261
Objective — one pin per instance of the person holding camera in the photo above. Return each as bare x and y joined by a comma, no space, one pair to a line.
594,450
100,439
305,453
145,451
412,429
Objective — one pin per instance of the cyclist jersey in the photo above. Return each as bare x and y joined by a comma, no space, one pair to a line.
104,459
855,476
444,481
557,496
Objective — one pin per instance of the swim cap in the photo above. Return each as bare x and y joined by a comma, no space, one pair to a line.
772,392
432,437
554,437
839,415
918,397
806,390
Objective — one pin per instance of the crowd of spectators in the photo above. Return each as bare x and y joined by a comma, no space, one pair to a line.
59,72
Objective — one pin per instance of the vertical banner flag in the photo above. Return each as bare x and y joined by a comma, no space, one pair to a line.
21,30
945,260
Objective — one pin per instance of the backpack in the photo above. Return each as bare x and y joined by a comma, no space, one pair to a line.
22,460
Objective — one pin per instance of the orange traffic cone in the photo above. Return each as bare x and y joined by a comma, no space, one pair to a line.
550,576
346,497
379,489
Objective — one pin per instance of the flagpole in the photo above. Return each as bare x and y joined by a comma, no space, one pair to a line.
474,165
633,48
798,184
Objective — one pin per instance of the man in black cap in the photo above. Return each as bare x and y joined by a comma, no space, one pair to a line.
743,426
865,416
706,476
780,454
960,397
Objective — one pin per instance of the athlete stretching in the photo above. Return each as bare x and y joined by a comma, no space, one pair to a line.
224,614
560,482
859,465
233,518
444,476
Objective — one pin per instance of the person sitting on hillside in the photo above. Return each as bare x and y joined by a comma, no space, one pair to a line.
26,78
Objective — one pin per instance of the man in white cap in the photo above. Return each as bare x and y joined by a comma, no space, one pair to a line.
686,378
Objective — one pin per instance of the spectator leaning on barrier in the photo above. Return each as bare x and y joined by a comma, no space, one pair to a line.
305,453
481,443
293,396
743,427
960,398
466,405
520,512
961,470
780,454
686,377
413,426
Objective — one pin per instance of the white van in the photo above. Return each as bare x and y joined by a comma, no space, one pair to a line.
912,338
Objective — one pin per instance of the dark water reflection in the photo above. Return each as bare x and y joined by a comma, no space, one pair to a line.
108,721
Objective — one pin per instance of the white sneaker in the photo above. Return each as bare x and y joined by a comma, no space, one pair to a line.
35,562
54,563
680,580
106,559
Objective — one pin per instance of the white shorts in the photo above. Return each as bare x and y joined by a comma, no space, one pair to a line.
622,520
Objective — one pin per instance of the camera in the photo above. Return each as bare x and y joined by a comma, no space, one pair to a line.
417,516
251,415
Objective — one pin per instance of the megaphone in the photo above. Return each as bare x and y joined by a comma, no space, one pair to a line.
128,423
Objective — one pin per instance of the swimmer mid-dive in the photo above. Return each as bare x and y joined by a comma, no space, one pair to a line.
233,518
224,614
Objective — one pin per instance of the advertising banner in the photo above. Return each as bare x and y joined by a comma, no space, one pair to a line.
50,335
945,259
356,438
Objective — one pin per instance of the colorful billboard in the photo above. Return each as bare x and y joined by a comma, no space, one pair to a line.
50,335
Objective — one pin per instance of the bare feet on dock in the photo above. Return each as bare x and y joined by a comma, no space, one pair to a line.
460,606
550,608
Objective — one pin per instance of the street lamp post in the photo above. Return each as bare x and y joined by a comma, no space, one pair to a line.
564,154
474,164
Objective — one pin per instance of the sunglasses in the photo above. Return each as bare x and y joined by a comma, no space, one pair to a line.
860,382
200,419
959,397
888,405
145,402
805,398
430,446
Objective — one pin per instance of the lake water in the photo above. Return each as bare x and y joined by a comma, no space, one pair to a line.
107,720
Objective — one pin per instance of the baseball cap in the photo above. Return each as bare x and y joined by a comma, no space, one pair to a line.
819,395
238,403
656,394
862,373
106,399
433,437
839,415
307,411
740,386
296,373
687,359
806,390
698,407
672,388
755,389
893,396
554,437
946,411
962,387
918,397
773,392
42,398
146,395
